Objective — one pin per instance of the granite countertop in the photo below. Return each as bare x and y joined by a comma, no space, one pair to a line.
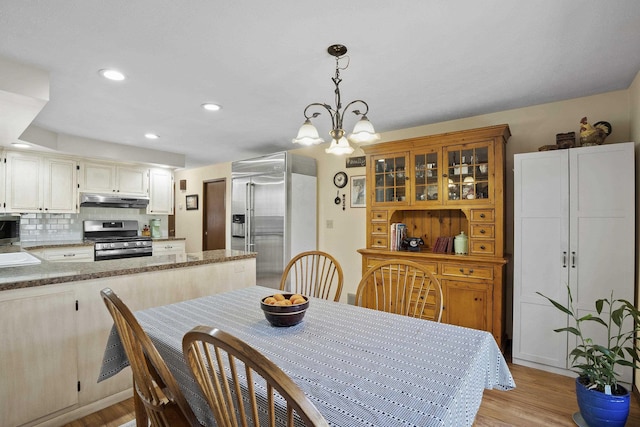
47,273
50,244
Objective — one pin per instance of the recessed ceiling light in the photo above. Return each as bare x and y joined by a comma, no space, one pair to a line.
211,107
20,145
112,74
151,136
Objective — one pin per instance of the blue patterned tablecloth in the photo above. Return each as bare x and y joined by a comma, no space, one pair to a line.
360,367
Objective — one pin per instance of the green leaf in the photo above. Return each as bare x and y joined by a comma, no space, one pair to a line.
557,305
571,329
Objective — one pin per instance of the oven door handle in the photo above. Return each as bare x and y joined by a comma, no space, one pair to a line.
122,253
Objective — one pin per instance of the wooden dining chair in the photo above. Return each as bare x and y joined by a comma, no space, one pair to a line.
313,273
234,377
157,396
401,287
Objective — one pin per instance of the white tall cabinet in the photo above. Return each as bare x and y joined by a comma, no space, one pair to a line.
574,224
160,191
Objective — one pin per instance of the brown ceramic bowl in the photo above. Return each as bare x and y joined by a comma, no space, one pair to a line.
284,315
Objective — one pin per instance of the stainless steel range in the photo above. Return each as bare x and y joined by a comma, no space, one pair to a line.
116,239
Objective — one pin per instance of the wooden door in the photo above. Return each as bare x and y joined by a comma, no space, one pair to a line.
214,215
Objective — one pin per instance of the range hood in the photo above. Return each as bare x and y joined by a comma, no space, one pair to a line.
113,201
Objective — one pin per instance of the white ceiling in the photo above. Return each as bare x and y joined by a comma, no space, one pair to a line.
414,62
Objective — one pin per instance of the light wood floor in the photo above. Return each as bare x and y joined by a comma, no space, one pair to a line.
539,399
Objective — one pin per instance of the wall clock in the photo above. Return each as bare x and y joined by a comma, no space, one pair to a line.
340,179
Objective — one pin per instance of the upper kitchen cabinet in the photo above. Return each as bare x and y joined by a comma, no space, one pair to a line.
36,183
160,191
430,174
113,178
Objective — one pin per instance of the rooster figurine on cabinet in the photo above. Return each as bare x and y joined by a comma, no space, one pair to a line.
593,135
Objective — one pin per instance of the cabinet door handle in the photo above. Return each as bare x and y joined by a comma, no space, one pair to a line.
444,175
482,215
564,259
470,270
482,231
483,247
573,259
461,270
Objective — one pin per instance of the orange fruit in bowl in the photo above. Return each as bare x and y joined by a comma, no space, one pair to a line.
270,300
279,297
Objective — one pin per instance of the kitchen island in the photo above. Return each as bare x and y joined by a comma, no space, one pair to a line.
54,325
47,273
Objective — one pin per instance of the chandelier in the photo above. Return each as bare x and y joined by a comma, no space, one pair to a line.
363,130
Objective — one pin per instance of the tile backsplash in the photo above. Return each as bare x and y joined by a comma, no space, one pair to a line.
63,227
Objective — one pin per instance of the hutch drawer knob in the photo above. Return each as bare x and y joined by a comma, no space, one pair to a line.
482,231
470,270
482,215
462,270
482,247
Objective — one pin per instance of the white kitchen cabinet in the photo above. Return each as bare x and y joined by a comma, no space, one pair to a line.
54,337
40,184
574,224
169,247
66,254
160,191
38,355
114,178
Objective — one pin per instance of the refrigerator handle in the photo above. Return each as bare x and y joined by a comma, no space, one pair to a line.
248,238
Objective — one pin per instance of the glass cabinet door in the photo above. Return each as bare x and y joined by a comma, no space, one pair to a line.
389,179
468,173
428,168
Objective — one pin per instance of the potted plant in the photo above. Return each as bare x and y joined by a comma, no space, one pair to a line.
602,401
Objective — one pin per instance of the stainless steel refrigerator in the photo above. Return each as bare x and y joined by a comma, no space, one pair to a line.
273,211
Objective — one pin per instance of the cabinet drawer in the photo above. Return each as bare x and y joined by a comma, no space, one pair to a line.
486,231
459,270
432,267
379,228
379,242
379,216
483,215
482,247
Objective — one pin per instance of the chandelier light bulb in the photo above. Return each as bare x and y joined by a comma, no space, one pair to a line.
339,147
363,132
308,135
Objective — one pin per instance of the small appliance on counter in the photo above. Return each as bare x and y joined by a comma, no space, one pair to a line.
9,229
154,224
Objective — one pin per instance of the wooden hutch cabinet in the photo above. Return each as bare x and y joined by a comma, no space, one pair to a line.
441,185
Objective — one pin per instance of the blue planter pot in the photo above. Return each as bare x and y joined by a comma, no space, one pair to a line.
602,410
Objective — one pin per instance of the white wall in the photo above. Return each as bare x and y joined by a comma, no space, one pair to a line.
531,128
189,223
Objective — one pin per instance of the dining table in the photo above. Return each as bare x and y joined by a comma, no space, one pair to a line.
358,366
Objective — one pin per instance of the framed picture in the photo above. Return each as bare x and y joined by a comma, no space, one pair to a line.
358,191
192,202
